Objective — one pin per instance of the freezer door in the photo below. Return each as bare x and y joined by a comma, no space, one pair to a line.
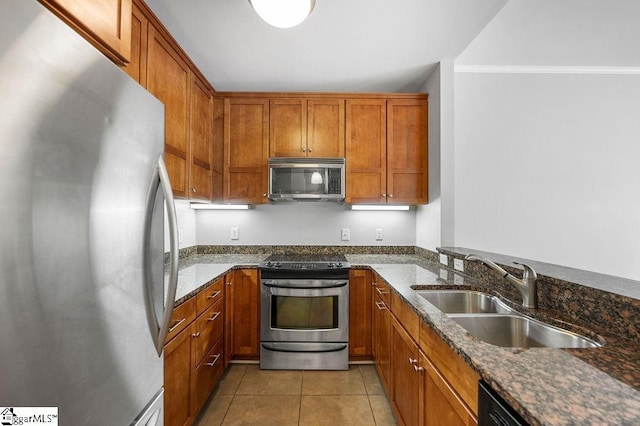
80,142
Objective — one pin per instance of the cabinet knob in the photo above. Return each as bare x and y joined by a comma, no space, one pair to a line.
196,334
417,368
304,149
230,283
193,190
384,195
390,195
264,195
310,149
413,361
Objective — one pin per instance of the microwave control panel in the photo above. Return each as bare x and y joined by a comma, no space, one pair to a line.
334,181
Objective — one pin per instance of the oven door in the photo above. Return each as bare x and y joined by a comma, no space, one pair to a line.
304,311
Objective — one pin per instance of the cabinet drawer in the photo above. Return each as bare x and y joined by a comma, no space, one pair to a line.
209,327
382,289
406,315
460,375
209,295
208,374
182,316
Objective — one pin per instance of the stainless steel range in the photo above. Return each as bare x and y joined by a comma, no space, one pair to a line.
304,313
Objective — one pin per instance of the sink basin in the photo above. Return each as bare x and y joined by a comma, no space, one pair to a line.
464,301
520,331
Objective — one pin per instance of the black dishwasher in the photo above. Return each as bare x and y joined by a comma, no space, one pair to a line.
493,410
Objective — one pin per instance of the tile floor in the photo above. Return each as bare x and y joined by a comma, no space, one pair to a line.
247,395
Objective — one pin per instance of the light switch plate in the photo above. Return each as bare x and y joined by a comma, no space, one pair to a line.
458,265
346,234
235,234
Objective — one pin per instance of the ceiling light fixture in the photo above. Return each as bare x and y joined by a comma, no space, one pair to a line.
283,13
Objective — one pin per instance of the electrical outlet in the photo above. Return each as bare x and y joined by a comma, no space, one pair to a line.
235,234
444,259
346,234
378,234
180,236
458,265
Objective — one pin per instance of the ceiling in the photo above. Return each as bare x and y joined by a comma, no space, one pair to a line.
344,45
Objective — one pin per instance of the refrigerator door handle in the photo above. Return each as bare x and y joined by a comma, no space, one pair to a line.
160,330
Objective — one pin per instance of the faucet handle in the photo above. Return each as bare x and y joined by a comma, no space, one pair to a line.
529,272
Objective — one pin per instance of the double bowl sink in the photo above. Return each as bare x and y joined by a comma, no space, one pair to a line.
488,319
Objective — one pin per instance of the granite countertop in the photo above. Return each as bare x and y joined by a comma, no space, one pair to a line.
546,385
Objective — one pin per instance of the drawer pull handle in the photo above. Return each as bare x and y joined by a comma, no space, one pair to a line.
213,318
380,292
196,334
214,295
176,325
381,306
215,359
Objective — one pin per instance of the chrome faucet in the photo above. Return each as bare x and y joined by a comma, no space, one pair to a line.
526,285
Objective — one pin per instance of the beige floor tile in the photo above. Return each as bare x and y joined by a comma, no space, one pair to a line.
381,410
333,382
214,410
352,410
231,379
263,410
371,379
270,382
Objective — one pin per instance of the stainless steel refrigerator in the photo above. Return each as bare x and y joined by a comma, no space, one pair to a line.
84,308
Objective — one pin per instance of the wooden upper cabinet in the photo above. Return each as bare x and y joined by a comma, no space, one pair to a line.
168,80
201,141
407,177
105,23
287,128
301,127
246,150
137,66
217,191
366,151
325,127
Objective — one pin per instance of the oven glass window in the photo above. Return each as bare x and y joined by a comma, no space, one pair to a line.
304,313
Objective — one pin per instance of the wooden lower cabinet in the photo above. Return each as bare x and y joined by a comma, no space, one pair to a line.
179,379
360,314
407,376
381,336
439,402
246,314
228,318
194,356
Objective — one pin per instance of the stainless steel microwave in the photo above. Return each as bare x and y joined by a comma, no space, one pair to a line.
306,179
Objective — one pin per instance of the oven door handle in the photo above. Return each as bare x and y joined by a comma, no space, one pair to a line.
324,347
280,284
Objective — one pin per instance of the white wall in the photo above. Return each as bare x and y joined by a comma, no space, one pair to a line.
428,216
547,168
304,224
186,224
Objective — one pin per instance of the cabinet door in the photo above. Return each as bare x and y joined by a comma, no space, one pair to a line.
106,24
366,154
217,191
208,374
407,177
179,380
168,80
246,150
382,340
325,127
229,334
201,140
246,314
405,376
360,314
440,404
288,128
137,66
